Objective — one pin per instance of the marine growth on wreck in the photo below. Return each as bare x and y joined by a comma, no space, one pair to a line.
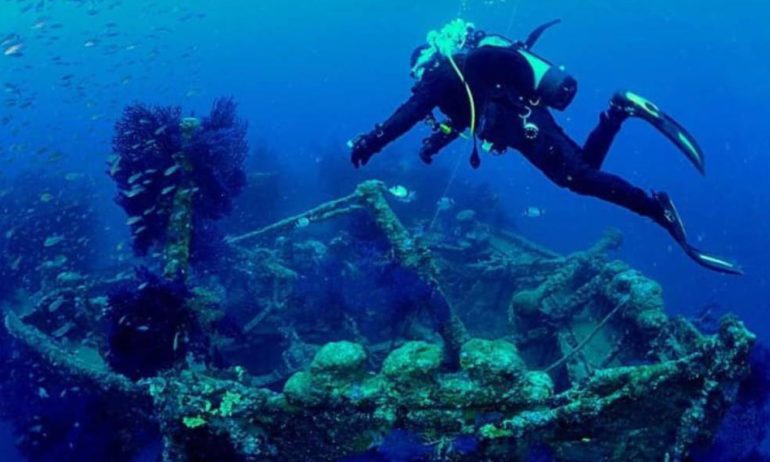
345,333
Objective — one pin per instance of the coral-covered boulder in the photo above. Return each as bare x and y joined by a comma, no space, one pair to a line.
339,361
337,368
491,361
645,296
413,361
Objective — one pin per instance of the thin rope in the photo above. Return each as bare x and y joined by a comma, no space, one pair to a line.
446,189
513,17
590,336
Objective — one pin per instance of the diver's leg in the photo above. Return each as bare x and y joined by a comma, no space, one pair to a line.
588,181
570,171
598,143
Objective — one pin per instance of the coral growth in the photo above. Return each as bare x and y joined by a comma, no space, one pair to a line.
165,164
151,327
581,365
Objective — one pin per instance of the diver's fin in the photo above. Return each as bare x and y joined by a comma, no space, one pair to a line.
670,218
674,225
637,106
714,263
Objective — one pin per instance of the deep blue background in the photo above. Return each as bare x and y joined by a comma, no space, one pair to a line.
313,73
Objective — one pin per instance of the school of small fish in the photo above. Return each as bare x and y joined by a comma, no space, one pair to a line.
84,56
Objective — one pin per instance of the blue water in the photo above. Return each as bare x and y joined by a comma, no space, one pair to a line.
309,75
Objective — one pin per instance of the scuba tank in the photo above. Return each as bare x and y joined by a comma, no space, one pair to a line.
553,87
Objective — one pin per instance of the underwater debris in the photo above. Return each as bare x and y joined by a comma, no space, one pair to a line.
632,385
408,252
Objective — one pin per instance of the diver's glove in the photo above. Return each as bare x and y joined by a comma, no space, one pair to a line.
437,141
361,150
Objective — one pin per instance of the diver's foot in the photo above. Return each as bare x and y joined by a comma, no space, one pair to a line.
627,104
669,218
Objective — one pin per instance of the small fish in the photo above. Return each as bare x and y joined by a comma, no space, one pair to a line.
143,328
46,197
69,276
402,194
303,222
171,170
140,230
90,43
132,179
73,176
61,332
134,192
533,212
445,203
56,304
13,50
53,240
114,165
399,192
167,190
160,131
57,262
133,220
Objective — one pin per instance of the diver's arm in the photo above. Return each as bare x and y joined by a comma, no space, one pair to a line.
443,135
419,105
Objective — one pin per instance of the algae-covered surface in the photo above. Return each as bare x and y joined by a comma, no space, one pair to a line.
582,363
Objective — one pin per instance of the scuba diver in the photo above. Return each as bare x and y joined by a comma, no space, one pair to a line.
501,92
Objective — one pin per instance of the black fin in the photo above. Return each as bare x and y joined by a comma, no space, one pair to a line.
714,263
534,36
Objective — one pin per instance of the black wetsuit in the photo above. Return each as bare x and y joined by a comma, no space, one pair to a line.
496,77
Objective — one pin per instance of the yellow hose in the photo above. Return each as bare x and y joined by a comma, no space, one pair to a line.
471,102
